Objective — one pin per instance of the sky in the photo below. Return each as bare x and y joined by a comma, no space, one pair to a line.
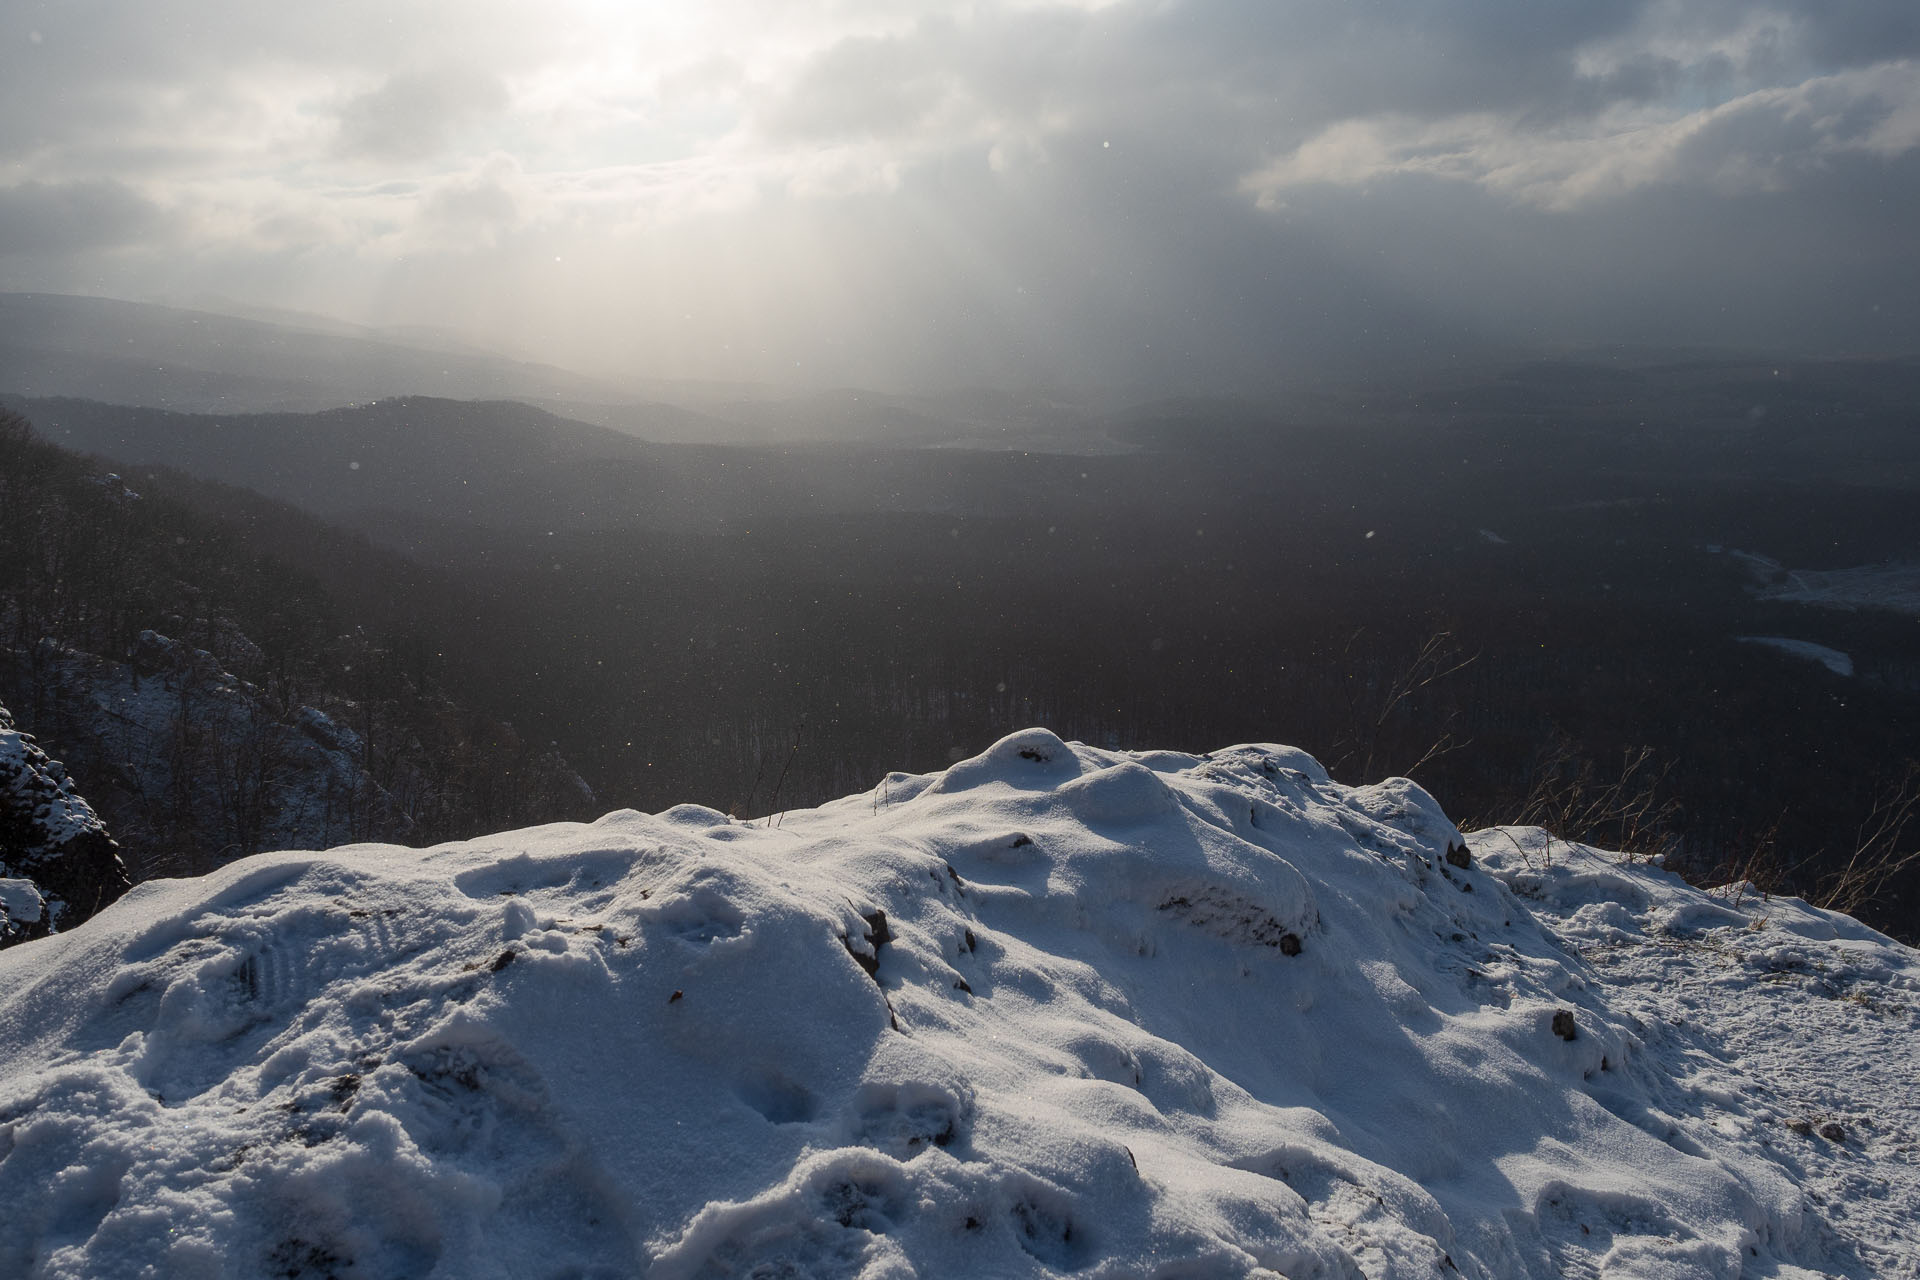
1220,195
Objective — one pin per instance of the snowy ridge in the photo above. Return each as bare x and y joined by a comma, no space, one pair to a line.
1790,1031
1055,1010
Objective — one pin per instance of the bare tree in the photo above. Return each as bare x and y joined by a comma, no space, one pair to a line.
1627,810
1878,857
1375,703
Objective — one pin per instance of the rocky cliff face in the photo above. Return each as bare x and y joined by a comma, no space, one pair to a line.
58,865
194,766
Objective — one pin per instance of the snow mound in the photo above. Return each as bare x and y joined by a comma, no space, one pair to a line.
1054,1011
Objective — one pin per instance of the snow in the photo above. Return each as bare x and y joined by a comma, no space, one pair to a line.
1893,586
19,900
1790,1031
1841,664
1055,1010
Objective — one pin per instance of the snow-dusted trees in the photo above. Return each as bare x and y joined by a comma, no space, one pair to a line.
214,700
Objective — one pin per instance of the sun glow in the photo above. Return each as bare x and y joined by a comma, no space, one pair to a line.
740,189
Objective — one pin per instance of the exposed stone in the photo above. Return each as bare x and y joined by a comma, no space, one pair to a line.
53,847
877,936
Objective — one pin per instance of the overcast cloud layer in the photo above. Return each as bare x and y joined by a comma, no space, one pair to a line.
1169,196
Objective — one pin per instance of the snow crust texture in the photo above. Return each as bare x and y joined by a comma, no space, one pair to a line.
1054,1011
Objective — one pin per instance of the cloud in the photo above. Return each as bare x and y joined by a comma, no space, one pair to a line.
863,87
72,217
476,210
417,115
1195,193
1769,139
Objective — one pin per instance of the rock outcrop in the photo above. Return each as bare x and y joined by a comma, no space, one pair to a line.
58,865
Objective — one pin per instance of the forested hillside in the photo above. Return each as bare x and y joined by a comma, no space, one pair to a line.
1532,612
211,700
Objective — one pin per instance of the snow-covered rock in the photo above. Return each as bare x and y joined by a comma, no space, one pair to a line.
1056,1010
57,863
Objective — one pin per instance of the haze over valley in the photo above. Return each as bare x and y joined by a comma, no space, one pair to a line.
1483,577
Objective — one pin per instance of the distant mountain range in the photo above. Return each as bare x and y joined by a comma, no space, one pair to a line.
138,353
187,361
416,467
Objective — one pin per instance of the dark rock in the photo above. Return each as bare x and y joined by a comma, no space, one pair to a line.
877,936
1563,1025
1227,914
1833,1132
1459,856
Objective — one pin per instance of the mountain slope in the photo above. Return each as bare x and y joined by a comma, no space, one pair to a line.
422,461
1053,1011
193,761
451,460
276,710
